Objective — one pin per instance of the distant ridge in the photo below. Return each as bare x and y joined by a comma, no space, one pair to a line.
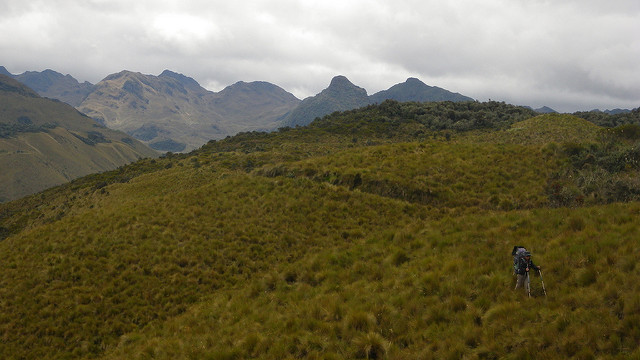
9,85
54,85
613,112
4,71
172,112
415,90
259,104
545,110
341,95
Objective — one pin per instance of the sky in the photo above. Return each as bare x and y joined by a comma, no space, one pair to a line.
570,55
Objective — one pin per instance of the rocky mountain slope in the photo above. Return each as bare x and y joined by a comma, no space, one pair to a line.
44,142
172,112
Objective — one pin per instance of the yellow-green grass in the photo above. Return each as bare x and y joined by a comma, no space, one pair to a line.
433,289
143,251
548,128
267,246
441,174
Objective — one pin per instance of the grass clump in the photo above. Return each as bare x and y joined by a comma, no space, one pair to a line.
370,346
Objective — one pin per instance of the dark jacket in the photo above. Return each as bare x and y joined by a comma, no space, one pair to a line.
523,265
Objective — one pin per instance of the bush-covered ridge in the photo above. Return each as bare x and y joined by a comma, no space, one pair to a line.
436,116
378,239
608,120
10,130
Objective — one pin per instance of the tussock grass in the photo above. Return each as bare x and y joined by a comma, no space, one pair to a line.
426,308
308,244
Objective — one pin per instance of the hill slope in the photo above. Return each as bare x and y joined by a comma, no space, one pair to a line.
45,143
365,235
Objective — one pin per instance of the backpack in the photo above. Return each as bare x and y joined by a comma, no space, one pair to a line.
518,253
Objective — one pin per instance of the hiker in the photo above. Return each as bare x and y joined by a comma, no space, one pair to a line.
524,264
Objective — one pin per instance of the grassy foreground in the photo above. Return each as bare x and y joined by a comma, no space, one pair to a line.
317,243
431,290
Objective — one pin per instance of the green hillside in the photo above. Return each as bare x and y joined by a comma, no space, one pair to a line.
380,233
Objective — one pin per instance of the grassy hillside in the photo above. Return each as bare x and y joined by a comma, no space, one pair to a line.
345,239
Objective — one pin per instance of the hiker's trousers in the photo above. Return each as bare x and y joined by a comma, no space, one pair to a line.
522,281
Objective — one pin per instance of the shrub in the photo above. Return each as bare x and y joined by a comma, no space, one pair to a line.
627,131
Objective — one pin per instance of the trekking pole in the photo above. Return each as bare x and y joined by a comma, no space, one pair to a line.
528,285
541,280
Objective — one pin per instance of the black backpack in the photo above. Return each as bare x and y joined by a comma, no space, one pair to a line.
518,253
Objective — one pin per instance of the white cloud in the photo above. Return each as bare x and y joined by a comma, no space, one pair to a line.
185,32
575,54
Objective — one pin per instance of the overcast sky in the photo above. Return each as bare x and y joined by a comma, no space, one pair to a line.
567,54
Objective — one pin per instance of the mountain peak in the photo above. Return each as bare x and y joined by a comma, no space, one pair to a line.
257,88
183,79
545,110
341,95
414,81
341,86
414,89
340,80
122,74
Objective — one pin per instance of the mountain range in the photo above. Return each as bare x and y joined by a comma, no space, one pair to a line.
52,84
172,112
45,142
